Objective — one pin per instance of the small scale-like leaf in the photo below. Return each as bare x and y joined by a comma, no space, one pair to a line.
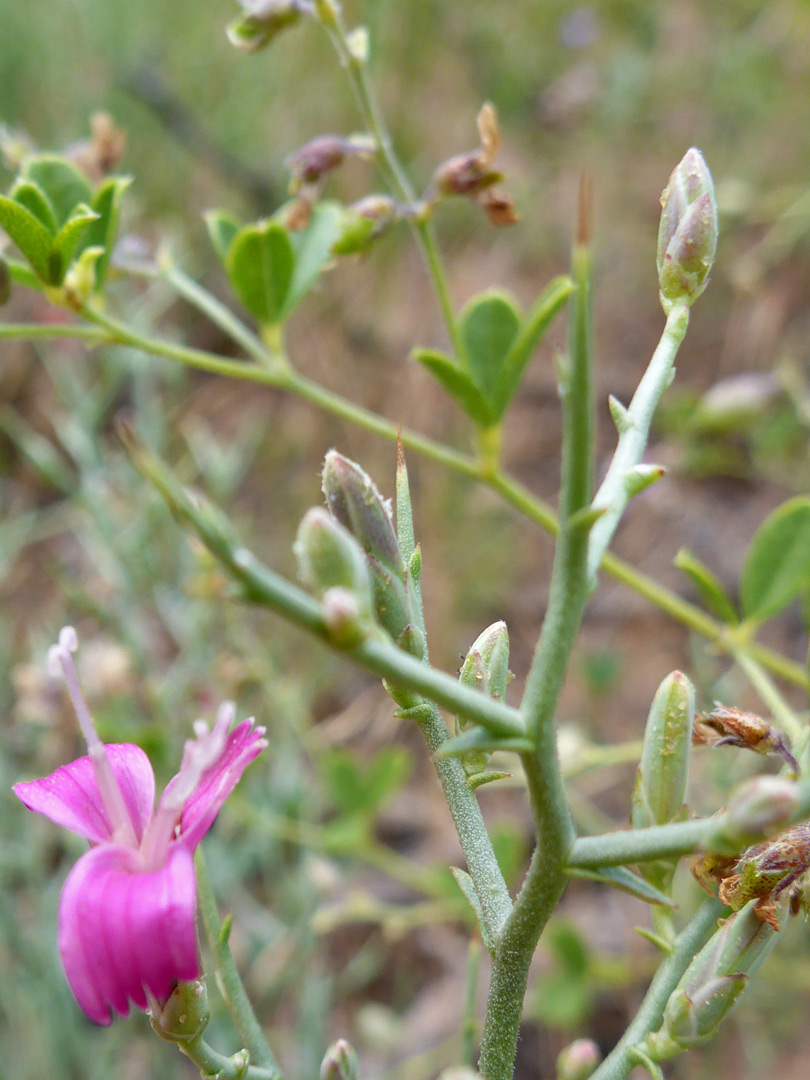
33,198
619,877
313,250
777,564
61,181
477,738
28,233
457,383
709,588
465,883
66,241
489,325
551,300
101,233
222,228
260,267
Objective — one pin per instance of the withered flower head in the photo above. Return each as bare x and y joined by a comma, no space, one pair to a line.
727,726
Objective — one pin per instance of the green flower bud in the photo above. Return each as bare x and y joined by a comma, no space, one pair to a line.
712,983
578,1061
352,499
363,222
340,1062
660,787
485,668
262,20
329,557
687,236
184,1014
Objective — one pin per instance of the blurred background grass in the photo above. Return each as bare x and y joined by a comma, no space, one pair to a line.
336,935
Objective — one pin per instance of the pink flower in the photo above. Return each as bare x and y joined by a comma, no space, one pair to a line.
127,914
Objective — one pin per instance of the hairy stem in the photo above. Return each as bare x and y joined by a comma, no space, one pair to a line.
554,830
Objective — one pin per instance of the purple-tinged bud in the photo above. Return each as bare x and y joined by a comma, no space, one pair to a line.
660,787
183,1016
687,237
321,155
262,20
340,1062
759,808
578,1060
352,499
712,983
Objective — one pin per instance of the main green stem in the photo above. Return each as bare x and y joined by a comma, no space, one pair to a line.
547,875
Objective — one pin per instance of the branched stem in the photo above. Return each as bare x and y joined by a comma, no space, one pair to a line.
554,830
526,503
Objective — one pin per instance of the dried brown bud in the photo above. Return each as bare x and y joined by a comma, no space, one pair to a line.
100,154
499,207
727,726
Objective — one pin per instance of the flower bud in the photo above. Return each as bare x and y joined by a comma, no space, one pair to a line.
485,668
758,808
184,1014
262,20
687,236
712,983
363,222
578,1061
321,155
660,787
339,1062
346,622
353,500
329,557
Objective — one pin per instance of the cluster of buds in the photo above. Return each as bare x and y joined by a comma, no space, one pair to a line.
472,174
727,726
711,984
311,165
349,555
687,236
262,20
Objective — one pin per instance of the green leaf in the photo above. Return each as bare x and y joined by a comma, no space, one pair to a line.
550,301
457,383
260,267
489,325
465,883
709,588
101,233
362,789
222,228
62,182
777,564
33,198
22,275
66,241
28,233
619,877
313,251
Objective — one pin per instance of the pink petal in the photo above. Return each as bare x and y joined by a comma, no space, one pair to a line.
122,931
201,808
70,796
